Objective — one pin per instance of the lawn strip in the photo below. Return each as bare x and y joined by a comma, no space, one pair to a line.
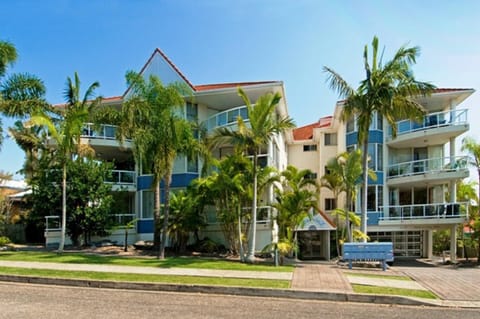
393,291
171,262
169,279
392,277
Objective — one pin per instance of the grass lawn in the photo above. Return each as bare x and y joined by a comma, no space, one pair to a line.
91,275
393,291
393,277
174,262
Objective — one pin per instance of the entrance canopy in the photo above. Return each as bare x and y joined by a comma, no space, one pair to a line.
318,221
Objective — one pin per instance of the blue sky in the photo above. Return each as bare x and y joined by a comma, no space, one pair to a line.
214,41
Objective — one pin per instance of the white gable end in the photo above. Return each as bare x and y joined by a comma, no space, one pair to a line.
163,70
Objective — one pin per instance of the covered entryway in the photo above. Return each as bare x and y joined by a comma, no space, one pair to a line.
313,237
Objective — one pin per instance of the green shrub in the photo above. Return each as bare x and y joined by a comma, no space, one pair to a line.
4,241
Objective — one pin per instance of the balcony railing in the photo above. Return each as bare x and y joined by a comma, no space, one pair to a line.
52,223
426,211
226,118
120,177
431,165
104,131
121,219
432,120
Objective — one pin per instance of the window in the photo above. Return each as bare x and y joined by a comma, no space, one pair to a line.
147,204
351,125
327,170
192,112
311,176
331,139
330,204
192,164
310,148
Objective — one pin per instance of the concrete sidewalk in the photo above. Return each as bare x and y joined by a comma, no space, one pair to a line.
313,281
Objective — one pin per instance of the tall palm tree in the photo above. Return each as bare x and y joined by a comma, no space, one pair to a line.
65,130
473,148
21,93
388,90
150,118
263,124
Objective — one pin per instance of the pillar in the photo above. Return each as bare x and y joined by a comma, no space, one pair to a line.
429,246
453,243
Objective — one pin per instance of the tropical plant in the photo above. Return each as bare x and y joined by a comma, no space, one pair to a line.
388,90
150,117
347,168
21,93
473,148
65,130
249,137
296,196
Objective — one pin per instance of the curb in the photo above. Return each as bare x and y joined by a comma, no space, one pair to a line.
223,290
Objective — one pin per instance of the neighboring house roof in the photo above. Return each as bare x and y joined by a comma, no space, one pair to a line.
306,132
14,185
444,90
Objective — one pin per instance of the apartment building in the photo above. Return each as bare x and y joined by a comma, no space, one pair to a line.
415,190
215,105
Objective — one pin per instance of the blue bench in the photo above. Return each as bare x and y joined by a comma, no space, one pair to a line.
382,252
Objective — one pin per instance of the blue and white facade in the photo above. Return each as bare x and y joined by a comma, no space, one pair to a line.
417,172
215,105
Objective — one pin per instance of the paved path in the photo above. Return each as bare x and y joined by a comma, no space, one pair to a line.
448,282
320,277
394,283
150,270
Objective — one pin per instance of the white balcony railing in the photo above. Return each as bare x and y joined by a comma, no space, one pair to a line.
426,211
431,165
122,219
226,118
432,120
104,131
120,177
52,223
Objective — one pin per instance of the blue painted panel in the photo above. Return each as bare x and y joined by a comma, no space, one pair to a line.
375,137
145,226
352,138
373,218
178,180
379,180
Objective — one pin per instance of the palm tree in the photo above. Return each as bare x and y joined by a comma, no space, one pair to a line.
388,90
263,124
65,131
347,168
150,118
473,148
21,93
295,198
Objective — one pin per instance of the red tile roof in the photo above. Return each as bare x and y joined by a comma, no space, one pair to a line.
306,132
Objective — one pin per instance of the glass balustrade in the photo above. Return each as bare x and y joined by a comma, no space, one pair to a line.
431,165
432,120
426,211
226,118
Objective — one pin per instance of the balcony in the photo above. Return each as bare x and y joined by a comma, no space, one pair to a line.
439,213
123,180
101,137
436,128
227,118
428,170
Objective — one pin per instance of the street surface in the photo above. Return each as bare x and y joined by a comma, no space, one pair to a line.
38,301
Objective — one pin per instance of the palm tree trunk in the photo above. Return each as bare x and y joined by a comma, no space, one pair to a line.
156,223
240,246
347,216
363,225
64,208
166,209
251,248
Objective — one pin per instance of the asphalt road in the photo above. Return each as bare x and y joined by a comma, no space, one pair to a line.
37,301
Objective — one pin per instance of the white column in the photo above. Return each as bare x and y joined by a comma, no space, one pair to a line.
453,185
429,245
453,243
